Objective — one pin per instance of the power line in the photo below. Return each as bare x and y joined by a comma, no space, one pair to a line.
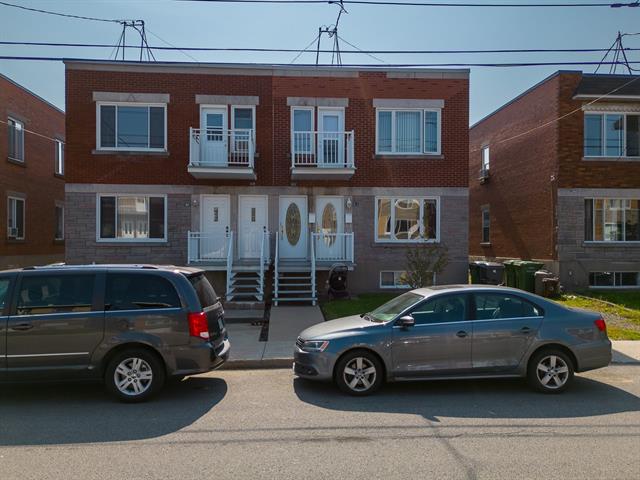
432,4
305,49
352,65
37,134
58,14
172,47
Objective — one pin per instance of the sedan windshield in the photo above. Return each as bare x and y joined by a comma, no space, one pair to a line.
394,307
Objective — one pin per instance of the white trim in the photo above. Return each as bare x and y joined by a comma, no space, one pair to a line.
624,222
614,286
422,151
396,285
13,214
244,100
407,103
420,220
59,157
253,116
21,129
604,156
313,125
100,148
207,195
129,240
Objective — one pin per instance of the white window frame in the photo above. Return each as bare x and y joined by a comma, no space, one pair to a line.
485,159
99,239
61,207
313,129
129,104
624,223
13,209
614,286
422,151
396,276
393,199
603,131
59,157
243,107
21,129
485,209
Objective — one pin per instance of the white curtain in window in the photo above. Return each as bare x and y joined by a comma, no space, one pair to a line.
408,132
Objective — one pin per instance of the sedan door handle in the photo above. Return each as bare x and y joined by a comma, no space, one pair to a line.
461,334
525,330
22,327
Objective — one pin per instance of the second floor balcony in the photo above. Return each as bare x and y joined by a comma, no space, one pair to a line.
222,153
322,155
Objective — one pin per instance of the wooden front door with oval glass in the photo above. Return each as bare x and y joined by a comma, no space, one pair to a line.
329,238
294,227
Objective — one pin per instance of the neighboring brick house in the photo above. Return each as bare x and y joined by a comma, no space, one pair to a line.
242,168
555,176
31,178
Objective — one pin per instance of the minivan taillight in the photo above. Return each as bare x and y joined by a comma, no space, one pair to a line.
199,325
601,324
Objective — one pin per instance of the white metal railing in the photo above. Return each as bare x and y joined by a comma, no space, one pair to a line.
333,247
275,269
313,271
322,149
229,263
264,260
217,147
203,247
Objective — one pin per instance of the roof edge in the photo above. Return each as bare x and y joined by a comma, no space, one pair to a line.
33,94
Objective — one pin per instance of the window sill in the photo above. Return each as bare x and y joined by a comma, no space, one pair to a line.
16,240
399,156
58,241
402,243
15,161
143,241
58,175
611,159
485,244
610,244
152,153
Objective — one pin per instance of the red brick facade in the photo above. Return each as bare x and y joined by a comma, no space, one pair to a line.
35,179
272,126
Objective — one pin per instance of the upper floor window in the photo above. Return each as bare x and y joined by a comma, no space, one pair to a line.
302,120
612,220
406,219
59,158
131,218
611,135
243,118
408,132
485,159
16,139
15,218
132,127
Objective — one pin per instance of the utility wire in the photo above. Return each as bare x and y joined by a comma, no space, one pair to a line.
352,65
48,12
295,50
432,4
37,134
173,47
360,50
305,49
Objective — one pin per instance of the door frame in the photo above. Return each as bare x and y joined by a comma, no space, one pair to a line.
302,221
214,195
340,160
266,217
204,107
337,199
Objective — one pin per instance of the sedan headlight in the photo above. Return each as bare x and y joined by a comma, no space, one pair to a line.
314,345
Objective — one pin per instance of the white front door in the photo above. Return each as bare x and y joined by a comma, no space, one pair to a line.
330,137
252,223
214,136
294,227
330,244
214,225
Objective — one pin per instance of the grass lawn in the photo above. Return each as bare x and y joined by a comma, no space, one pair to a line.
623,318
361,304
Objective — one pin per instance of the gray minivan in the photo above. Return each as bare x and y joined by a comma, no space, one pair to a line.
131,326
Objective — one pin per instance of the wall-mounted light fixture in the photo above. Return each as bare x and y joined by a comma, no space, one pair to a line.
349,203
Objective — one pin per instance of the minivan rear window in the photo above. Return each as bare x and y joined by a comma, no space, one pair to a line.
133,291
204,289
4,289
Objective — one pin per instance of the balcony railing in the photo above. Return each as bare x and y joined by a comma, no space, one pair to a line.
322,154
208,247
221,153
333,247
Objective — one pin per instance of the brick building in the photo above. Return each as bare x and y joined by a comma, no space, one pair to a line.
243,168
554,175
31,178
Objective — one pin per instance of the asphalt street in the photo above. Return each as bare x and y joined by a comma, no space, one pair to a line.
264,424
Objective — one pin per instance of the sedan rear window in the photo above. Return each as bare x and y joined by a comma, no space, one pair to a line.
500,305
204,290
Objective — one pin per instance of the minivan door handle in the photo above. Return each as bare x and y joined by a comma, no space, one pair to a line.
22,327
461,334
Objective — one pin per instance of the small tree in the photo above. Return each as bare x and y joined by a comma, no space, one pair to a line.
423,261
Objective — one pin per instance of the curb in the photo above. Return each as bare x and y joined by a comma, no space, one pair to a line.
625,362
267,363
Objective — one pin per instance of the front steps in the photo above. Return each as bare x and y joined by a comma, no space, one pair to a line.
245,285
294,285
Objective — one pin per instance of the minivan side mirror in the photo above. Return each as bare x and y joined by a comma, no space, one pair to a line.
406,321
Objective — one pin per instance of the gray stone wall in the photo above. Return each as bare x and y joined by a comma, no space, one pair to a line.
577,258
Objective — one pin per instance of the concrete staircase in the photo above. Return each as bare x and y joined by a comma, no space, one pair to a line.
294,284
245,284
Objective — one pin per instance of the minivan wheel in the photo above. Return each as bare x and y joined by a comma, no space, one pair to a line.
550,371
134,375
359,373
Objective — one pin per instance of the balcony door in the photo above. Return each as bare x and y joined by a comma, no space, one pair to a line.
214,225
330,137
294,227
330,244
213,136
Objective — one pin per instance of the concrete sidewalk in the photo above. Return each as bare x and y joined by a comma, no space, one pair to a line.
626,351
285,323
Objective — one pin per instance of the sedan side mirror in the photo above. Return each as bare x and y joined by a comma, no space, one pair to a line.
406,321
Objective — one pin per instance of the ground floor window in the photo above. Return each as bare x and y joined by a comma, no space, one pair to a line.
614,279
131,217
406,219
59,235
15,218
612,220
397,279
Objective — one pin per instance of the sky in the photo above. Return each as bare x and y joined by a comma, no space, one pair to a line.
369,27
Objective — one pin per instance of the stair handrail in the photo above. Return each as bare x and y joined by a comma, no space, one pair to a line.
313,269
263,260
275,270
229,236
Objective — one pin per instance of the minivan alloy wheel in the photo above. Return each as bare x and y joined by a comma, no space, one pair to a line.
133,376
359,374
552,372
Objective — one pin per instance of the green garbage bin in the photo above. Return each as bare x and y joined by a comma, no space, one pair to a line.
510,277
474,270
525,273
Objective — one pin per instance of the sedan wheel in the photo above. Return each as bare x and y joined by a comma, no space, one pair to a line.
359,373
550,371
